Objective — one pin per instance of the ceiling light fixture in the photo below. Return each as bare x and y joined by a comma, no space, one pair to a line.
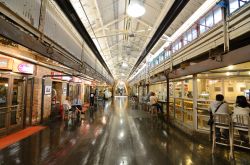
136,8
124,64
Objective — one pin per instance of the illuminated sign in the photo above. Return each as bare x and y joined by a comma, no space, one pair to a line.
77,80
56,75
66,78
26,68
6,63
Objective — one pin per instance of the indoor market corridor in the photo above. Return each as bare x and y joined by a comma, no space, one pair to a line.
118,134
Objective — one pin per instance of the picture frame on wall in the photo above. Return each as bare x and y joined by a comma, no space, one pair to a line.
230,89
217,89
47,90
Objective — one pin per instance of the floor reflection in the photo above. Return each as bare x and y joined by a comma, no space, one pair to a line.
119,134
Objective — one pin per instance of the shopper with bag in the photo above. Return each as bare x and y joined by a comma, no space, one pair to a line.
219,106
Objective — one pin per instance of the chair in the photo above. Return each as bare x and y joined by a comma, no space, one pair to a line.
241,124
67,113
221,121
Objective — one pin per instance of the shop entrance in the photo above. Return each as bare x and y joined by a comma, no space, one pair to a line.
12,103
56,99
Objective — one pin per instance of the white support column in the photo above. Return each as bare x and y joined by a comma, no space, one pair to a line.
195,97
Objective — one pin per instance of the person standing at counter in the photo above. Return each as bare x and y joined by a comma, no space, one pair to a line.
219,106
242,108
154,102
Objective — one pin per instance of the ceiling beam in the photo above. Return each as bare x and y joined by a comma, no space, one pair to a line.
110,23
101,22
172,13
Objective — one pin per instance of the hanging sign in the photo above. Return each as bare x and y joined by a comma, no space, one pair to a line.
6,63
77,80
56,75
66,78
23,67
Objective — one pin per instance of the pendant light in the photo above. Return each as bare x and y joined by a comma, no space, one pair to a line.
136,8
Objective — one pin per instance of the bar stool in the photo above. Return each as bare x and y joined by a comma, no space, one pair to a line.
221,121
152,109
240,124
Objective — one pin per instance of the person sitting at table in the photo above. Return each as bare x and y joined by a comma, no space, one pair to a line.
242,107
219,106
78,102
67,105
154,102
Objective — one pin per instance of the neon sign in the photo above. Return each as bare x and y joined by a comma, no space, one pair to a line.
26,68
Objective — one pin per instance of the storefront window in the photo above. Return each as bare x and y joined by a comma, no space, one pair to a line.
234,87
178,89
17,99
209,88
17,93
178,109
188,89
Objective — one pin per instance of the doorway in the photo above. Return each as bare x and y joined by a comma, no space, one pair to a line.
56,100
12,102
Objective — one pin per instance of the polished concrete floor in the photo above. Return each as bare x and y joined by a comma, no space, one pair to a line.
118,134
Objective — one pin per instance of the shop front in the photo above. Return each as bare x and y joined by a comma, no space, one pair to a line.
60,89
16,86
190,96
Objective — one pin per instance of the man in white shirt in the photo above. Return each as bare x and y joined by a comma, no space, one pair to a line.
219,106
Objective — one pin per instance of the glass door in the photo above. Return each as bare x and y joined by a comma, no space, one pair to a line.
4,88
17,102
29,101
12,92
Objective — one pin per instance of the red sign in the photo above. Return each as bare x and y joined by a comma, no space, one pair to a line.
56,75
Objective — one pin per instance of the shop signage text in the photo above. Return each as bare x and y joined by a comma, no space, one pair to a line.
26,68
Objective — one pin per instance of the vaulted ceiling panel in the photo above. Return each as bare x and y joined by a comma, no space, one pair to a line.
122,39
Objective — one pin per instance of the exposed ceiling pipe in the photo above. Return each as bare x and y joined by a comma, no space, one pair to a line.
166,22
71,14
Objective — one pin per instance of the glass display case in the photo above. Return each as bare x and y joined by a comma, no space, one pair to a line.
188,111
171,108
178,103
203,114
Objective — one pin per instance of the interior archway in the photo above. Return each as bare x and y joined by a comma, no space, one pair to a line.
120,89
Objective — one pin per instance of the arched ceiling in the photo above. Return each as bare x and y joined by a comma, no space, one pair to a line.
120,38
